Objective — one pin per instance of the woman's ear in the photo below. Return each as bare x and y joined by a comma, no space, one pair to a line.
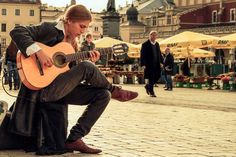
69,21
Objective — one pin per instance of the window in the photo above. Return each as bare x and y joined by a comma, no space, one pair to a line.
214,16
4,11
154,21
95,29
181,3
122,20
31,12
232,14
17,12
168,20
4,27
4,42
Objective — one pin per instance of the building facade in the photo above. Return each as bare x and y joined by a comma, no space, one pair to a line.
214,17
218,18
50,13
17,12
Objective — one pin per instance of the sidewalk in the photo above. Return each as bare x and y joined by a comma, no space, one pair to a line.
183,123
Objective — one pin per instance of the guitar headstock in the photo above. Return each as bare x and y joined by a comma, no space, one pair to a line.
119,49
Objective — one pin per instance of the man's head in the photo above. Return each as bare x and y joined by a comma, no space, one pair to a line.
167,50
77,19
153,36
89,37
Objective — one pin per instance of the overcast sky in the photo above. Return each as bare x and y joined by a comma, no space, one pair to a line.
95,5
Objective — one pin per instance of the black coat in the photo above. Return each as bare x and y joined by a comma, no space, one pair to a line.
185,68
30,117
23,115
86,47
147,60
169,64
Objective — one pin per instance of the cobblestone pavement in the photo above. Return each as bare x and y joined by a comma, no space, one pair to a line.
183,123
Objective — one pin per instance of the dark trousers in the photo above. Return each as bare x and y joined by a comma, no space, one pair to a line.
169,81
13,74
0,68
151,81
95,93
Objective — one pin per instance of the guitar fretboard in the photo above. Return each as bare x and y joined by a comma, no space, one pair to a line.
86,54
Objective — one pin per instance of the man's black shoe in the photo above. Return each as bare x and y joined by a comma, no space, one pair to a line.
153,95
169,89
147,89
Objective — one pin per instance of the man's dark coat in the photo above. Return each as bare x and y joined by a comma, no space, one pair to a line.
147,57
86,47
169,64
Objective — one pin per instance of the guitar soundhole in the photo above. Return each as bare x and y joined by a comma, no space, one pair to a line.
59,59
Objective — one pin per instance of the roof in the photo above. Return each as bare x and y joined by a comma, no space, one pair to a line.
149,6
132,10
21,1
146,7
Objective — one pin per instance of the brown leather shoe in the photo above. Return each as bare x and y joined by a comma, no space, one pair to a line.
122,95
79,145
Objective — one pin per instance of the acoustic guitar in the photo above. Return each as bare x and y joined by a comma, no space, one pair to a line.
35,76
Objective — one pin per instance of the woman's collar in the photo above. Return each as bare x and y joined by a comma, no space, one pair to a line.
60,26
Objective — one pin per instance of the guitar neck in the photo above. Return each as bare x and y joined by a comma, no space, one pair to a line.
86,54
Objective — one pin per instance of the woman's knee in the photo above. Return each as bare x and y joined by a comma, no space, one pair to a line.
87,65
105,95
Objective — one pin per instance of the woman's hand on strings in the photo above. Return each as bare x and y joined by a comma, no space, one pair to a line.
45,60
94,56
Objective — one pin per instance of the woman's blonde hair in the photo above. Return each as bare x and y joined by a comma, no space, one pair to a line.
77,13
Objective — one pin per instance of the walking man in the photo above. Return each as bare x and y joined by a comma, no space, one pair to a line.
151,61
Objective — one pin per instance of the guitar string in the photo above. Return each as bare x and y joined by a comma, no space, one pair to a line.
85,54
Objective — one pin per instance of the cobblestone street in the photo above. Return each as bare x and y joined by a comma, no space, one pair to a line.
184,123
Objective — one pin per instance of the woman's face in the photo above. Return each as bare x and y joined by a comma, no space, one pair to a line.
76,28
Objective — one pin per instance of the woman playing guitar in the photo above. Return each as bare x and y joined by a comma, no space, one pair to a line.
66,88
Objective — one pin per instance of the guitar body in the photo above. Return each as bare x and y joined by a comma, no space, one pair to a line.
29,70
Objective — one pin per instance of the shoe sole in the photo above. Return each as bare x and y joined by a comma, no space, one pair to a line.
3,110
135,96
153,96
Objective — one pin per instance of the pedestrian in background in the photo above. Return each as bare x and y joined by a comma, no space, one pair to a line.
163,75
13,77
151,61
1,61
185,68
88,44
168,68
1,58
